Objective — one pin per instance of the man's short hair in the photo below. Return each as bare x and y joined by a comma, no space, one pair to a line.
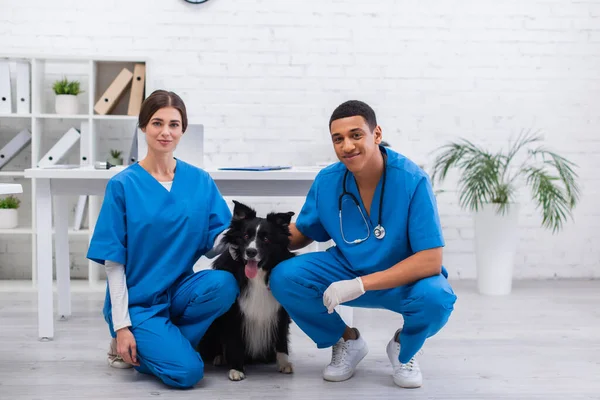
353,108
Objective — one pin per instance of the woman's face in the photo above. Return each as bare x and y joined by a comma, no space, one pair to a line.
164,130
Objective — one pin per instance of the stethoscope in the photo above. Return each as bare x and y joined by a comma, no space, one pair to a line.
379,230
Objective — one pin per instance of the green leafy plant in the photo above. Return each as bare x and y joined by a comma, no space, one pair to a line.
116,154
10,202
64,86
487,177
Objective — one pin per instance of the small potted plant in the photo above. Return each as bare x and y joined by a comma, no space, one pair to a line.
66,102
115,157
9,217
488,185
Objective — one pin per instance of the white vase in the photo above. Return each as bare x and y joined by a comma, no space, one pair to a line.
115,161
66,104
496,239
9,218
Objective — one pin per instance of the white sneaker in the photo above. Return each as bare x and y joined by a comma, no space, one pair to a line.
115,360
345,356
405,375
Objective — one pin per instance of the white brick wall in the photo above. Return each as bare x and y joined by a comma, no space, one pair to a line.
263,76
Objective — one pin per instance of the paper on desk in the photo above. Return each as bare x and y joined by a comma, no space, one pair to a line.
256,168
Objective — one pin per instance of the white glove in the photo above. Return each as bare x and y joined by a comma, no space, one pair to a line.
341,292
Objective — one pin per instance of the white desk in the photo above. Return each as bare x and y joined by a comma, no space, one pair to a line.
10,188
57,183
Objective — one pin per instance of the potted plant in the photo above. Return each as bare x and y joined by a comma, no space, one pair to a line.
66,96
8,212
115,157
487,186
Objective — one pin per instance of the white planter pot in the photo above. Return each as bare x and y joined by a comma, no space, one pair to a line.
66,104
115,161
9,218
496,239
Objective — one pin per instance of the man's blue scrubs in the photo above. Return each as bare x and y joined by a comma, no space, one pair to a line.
411,221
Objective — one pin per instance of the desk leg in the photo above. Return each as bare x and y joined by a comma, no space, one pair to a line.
61,248
43,216
93,269
345,312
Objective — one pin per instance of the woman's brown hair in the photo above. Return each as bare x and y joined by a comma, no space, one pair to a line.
160,99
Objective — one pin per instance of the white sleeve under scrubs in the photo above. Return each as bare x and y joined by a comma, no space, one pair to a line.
158,235
411,221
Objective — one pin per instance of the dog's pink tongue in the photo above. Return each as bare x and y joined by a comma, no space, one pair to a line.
251,268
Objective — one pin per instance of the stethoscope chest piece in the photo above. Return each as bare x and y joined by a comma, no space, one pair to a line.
379,232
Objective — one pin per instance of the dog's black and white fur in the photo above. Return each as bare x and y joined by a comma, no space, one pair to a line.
256,327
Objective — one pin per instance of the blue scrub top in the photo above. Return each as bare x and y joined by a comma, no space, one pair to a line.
409,215
158,235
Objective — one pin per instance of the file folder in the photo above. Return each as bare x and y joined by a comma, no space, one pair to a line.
60,149
137,90
142,145
23,87
79,212
85,146
132,158
12,148
5,89
113,94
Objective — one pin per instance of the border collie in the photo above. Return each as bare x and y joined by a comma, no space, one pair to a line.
256,327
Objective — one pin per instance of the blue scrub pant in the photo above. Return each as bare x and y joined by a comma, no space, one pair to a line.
299,283
166,342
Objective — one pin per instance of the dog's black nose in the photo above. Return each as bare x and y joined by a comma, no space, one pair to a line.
251,253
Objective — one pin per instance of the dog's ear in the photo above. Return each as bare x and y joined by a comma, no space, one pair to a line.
242,211
282,219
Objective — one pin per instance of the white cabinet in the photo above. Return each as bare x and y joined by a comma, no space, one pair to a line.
99,134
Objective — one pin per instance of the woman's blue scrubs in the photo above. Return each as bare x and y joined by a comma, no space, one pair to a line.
158,235
411,222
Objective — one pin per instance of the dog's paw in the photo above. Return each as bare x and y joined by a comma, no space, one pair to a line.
287,368
219,360
283,364
236,375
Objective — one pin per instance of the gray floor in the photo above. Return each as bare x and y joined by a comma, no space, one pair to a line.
542,342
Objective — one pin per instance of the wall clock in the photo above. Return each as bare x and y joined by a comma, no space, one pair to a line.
196,1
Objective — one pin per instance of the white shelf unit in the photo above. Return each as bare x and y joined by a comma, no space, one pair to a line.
95,75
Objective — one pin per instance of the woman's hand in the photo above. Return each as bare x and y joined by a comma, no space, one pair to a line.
126,346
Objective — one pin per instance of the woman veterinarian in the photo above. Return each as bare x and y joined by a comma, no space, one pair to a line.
159,216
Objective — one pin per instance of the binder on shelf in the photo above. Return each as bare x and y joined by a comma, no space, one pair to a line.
137,90
85,141
79,212
12,148
142,145
112,95
23,87
60,148
132,157
5,89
